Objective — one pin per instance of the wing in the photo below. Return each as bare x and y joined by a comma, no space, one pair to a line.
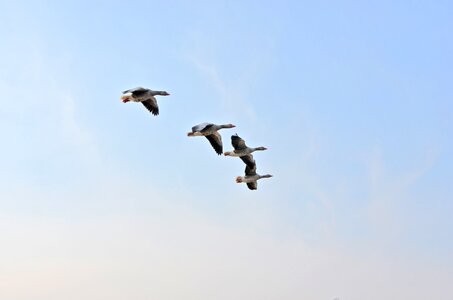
252,185
151,105
207,129
248,160
136,91
250,170
216,142
140,93
237,142
200,127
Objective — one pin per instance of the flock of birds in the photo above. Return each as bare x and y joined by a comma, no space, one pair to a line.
208,130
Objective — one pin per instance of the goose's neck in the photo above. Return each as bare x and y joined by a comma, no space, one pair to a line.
265,176
259,149
160,93
225,126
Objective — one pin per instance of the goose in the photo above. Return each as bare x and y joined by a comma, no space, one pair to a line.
251,177
209,130
242,151
145,96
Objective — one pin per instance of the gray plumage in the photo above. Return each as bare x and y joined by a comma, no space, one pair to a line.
251,177
209,130
250,170
242,151
248,159
145,96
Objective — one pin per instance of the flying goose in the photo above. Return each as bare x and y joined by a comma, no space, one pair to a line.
251,177
209,130
241,150
145,96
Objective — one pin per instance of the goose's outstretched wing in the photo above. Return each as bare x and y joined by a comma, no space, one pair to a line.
250,170
200,127
151,105
238,143
216,142
138,91
252,185
248,160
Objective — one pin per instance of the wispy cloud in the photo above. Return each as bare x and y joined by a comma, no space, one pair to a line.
40,100
233,95
234,85
389,192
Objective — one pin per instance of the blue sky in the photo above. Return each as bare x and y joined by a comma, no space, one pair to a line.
352,99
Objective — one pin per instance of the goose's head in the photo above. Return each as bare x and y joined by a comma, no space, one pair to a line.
165,93
126,97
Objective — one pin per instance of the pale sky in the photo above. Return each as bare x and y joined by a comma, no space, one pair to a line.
101,200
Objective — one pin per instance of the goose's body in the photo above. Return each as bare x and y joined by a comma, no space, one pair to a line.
251,177
209,131
242,150
145,96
